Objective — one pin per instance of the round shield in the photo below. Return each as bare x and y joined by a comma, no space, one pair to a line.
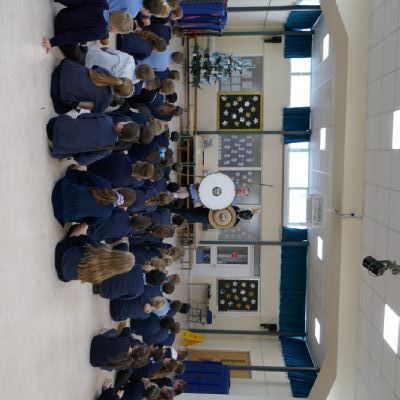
222,219
217,191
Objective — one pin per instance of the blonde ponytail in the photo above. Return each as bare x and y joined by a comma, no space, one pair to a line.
123,86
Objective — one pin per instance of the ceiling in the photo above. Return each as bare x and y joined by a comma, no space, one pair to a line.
261,20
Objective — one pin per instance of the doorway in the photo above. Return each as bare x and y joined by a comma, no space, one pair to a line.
226,357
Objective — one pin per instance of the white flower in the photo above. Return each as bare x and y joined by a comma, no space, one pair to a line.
234,290
242,119
222,302
243,284
252,285
244,299
223,98
235,283
248,123
242,292
253,301
234,116
235,103
226,112
255,98
230,303
255,120
240,109
224,123
246,103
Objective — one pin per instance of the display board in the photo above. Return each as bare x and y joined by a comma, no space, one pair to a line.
237,295
239,111
239,150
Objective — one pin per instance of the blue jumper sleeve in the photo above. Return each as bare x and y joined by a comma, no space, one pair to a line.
89,158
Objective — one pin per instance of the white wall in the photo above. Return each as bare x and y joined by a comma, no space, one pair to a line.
263,351
276,96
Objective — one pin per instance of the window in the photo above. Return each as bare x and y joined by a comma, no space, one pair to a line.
396,130
325,47
320,248
322,139
317,330
300,82
391,328
296,184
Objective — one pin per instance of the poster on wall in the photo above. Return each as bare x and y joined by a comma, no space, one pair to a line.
239,150
237,294
239,111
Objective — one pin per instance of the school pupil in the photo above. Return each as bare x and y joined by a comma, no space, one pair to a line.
85,197
81,22
130,285
118,63
111,351
141,44
74,86
78,257
146,7
89,137
138,308
160,60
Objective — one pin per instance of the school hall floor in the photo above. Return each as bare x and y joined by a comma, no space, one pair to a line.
45,325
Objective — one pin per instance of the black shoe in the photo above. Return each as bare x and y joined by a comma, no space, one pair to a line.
96,288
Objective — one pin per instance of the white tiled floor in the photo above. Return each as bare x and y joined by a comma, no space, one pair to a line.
322,96
378,367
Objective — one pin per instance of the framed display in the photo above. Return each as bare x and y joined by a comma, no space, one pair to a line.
239,111
239,295
238,150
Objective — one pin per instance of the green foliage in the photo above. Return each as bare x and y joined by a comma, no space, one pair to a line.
206,68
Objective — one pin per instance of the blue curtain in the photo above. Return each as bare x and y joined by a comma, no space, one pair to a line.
298,46
293,310
301,20
296,119
296,354
293,282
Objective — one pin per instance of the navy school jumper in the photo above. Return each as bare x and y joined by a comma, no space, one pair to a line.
113,228
117,169
134,390
82,21
140,152
128,285
145,372
68,255
87,138
108,347
147,326
71,84
159,337
134,45
121,309
73,201
161,30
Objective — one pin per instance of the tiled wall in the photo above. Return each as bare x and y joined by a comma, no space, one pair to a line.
322,98
378,367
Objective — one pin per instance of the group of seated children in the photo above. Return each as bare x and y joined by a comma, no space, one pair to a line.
118,195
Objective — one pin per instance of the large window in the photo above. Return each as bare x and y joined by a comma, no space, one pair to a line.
300,82
296,184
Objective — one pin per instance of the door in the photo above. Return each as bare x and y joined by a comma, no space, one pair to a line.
226,357
224,255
